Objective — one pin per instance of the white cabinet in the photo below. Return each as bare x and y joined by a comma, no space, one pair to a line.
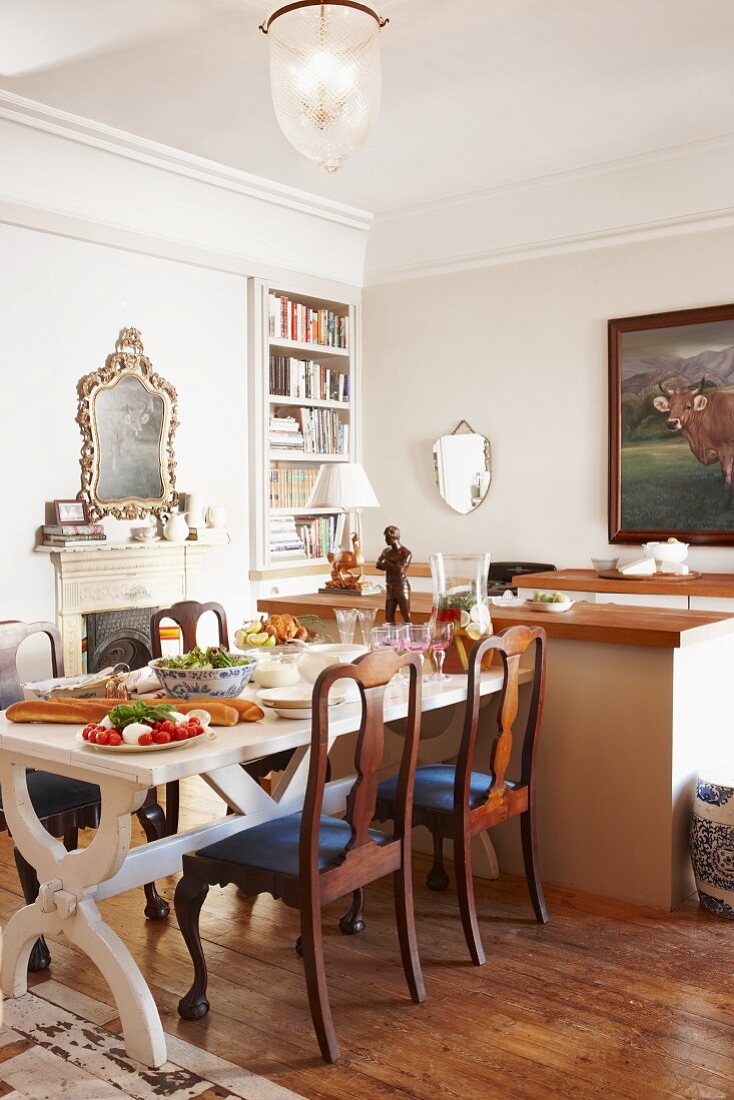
712,603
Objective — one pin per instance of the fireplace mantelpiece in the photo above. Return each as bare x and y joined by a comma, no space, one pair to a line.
118,575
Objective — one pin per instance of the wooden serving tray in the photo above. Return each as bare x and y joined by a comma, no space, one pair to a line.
615,575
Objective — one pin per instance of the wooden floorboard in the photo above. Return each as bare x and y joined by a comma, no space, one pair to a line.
608,1000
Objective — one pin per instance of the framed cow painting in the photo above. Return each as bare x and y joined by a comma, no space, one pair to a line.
671,426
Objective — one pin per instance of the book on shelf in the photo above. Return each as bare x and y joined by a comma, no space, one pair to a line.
289,320
290,487
303,378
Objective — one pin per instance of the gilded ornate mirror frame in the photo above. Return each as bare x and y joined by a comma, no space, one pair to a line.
123,429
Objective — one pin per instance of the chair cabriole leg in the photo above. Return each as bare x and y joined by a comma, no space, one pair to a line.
187,901
154,827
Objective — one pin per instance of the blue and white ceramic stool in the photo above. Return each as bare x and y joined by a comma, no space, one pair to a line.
712,844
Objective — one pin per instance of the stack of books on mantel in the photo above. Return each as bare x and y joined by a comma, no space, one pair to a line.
72,534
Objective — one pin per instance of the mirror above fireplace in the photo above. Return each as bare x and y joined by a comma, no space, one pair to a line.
127,417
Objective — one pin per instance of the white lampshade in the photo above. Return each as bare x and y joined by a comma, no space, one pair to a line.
343,485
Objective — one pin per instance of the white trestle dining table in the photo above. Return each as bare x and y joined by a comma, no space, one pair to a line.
73,882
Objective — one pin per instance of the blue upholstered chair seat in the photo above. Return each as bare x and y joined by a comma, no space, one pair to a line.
434,788
273,846
55,794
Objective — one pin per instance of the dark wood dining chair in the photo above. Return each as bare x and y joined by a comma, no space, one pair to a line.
186,615
64,806
309,858
459,802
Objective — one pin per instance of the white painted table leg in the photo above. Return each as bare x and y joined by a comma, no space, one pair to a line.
66,903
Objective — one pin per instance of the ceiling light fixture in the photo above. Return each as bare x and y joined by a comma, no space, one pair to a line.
325,76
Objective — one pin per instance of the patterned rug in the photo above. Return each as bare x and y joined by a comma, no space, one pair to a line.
54,1044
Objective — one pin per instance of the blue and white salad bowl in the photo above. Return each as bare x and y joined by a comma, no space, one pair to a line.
191,683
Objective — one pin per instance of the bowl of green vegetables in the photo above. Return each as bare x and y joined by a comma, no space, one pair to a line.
549,601
214,672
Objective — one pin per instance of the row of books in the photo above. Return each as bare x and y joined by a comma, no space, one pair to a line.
294,321
318,535
316,431
290,487
309,537
304,378
72,534
324,432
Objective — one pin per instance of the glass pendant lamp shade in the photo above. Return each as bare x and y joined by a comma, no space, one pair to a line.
325,76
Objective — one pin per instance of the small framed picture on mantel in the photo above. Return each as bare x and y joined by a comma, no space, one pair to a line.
671,426
71,513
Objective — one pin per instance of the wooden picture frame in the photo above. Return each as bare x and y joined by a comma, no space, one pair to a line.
127,417
77,509
672,477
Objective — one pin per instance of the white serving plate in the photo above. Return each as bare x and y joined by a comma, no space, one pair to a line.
551,608
145,748
289,698
301,712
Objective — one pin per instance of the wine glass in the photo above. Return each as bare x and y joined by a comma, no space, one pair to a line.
417,637
346,619
442,635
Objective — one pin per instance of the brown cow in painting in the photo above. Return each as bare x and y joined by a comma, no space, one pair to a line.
706,420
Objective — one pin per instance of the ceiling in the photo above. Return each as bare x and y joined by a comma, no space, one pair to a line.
476,93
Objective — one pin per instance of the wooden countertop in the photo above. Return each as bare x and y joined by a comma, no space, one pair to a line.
586,580
644,626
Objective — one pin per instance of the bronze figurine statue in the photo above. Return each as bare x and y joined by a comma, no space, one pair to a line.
394,562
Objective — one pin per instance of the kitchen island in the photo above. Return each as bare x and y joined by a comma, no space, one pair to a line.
638,700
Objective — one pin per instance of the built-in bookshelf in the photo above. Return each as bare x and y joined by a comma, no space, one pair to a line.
304,380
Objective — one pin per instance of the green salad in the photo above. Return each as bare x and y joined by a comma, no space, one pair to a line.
212,657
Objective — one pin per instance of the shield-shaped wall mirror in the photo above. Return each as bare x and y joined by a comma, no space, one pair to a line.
463,466
127,417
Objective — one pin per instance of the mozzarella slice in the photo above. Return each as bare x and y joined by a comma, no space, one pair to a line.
106,722
131,733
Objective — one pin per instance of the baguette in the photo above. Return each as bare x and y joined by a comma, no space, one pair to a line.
81,711
72,712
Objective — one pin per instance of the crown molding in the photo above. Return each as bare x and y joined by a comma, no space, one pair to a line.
533,250
665,155
28,112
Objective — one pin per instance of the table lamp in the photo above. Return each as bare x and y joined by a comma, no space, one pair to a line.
345,485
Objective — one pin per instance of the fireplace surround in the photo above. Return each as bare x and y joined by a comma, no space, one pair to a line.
119,576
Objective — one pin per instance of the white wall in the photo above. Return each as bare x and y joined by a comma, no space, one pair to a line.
519,350
62,304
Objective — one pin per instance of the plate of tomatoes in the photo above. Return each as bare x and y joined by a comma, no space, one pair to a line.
143,727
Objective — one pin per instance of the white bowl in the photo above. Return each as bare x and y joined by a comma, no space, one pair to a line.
666,551
604,565
190,683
